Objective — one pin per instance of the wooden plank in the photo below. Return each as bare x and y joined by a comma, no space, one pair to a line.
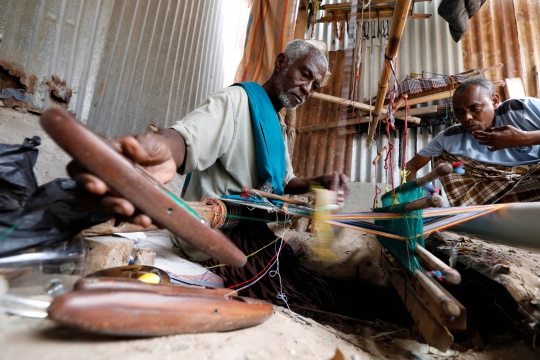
514,88
434,333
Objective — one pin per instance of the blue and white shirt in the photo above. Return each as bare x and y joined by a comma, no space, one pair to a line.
523,114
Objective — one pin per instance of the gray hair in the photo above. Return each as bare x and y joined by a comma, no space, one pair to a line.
298,49
481,82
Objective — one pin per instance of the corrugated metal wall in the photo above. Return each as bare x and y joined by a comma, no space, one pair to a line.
505,31
321,152
426,45
128,62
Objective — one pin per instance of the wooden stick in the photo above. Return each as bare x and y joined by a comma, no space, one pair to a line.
441,170
434,200
452,276
345,102
268,195
372,15
439,297
396,32
379,155
348,5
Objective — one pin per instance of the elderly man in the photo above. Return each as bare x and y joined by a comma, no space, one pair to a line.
497,142
236,138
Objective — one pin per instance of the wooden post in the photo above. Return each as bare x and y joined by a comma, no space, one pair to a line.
396,32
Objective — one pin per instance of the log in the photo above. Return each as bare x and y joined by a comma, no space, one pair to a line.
396,32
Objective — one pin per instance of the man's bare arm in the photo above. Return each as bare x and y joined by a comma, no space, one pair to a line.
415,164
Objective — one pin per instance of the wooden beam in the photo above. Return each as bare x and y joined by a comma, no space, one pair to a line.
373,3
434,333
362,120
372,15
345,102
396,32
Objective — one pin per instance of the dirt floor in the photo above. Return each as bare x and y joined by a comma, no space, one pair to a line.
281,337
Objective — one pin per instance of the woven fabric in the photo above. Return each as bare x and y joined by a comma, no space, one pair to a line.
415,86
484,184
410,226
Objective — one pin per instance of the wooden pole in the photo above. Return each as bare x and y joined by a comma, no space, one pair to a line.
396,32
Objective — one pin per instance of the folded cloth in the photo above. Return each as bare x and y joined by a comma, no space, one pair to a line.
484,184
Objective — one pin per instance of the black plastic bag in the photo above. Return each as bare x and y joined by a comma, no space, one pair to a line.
33,216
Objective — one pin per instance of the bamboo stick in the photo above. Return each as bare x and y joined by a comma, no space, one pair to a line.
376,160
345,102
396,32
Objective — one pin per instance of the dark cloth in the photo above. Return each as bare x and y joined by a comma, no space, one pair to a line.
33,216
484,184
457,13
300,285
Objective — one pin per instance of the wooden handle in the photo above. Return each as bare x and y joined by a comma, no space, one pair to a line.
424,203
448,305
442,170
132,183
452,276
268,195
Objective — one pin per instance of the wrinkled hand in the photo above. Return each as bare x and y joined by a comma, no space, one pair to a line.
148,150
339,183
502,137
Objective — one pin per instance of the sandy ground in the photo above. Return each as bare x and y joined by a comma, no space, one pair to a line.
281,337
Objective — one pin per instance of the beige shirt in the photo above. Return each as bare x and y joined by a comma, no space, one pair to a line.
220,146
221,151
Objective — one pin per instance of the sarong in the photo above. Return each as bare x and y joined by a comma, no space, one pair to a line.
300,285
484,184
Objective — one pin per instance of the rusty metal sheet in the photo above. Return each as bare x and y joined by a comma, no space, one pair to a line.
492,38
527,20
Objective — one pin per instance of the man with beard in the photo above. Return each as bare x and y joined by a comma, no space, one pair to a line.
497,142
236,138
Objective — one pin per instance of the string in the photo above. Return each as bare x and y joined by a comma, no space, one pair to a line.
8,231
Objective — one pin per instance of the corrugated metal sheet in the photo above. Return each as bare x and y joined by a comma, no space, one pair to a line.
426,46
505,31
55,37
492,38
527,19
128,62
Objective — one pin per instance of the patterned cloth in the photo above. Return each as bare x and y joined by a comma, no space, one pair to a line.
415,86
484,184
300,286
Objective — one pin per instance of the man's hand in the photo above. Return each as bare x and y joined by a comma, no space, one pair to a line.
337,182
503,137
150,151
